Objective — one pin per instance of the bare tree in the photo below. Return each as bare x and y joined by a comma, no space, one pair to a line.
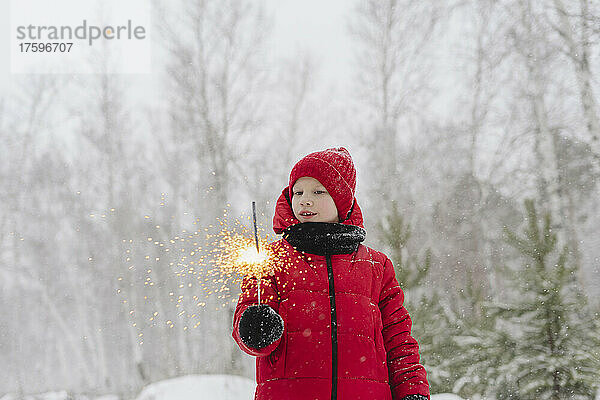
24,192
296,84
215,81
108,149
529,41
573,23
391,84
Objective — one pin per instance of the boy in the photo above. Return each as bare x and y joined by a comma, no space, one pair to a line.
333,325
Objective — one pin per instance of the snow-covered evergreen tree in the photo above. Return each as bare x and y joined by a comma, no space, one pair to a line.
557,345
540,340
395,234
434,327
483,357
432,321
554,348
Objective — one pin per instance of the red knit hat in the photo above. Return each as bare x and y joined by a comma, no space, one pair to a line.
335,170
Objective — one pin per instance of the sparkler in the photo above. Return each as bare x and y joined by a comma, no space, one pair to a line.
204,264
248,257
256,241
254,220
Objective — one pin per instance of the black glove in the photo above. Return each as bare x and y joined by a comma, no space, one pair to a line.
260,326
415,397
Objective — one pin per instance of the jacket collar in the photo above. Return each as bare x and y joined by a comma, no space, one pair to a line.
324,238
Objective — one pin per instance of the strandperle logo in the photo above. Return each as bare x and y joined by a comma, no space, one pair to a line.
84,31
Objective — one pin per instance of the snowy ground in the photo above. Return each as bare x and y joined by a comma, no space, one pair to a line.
216,387
445,396
200,387
58,395
191,387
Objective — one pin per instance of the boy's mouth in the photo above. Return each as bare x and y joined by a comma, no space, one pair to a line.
307,214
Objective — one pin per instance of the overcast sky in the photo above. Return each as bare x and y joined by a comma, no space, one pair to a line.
317,27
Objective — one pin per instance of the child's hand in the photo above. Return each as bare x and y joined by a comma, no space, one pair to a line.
259,326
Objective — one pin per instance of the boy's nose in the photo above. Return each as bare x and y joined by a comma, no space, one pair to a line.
306,202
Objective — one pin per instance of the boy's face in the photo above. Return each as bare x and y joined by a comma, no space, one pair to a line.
312,203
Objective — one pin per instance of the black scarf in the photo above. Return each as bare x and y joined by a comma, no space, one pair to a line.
324,238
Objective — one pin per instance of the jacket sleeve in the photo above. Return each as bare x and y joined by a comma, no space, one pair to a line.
248,297
406,375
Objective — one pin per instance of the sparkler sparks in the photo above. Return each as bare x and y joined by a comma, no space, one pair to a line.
171,281
237,254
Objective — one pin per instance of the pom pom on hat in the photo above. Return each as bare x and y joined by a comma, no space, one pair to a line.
335,170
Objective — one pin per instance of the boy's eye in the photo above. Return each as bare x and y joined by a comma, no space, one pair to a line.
316,192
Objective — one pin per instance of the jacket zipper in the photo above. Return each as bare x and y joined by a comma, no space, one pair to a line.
334,350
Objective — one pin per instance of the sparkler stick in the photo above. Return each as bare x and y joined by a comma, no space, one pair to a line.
254,219
256,241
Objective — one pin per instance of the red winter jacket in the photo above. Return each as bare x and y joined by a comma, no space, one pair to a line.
377,358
